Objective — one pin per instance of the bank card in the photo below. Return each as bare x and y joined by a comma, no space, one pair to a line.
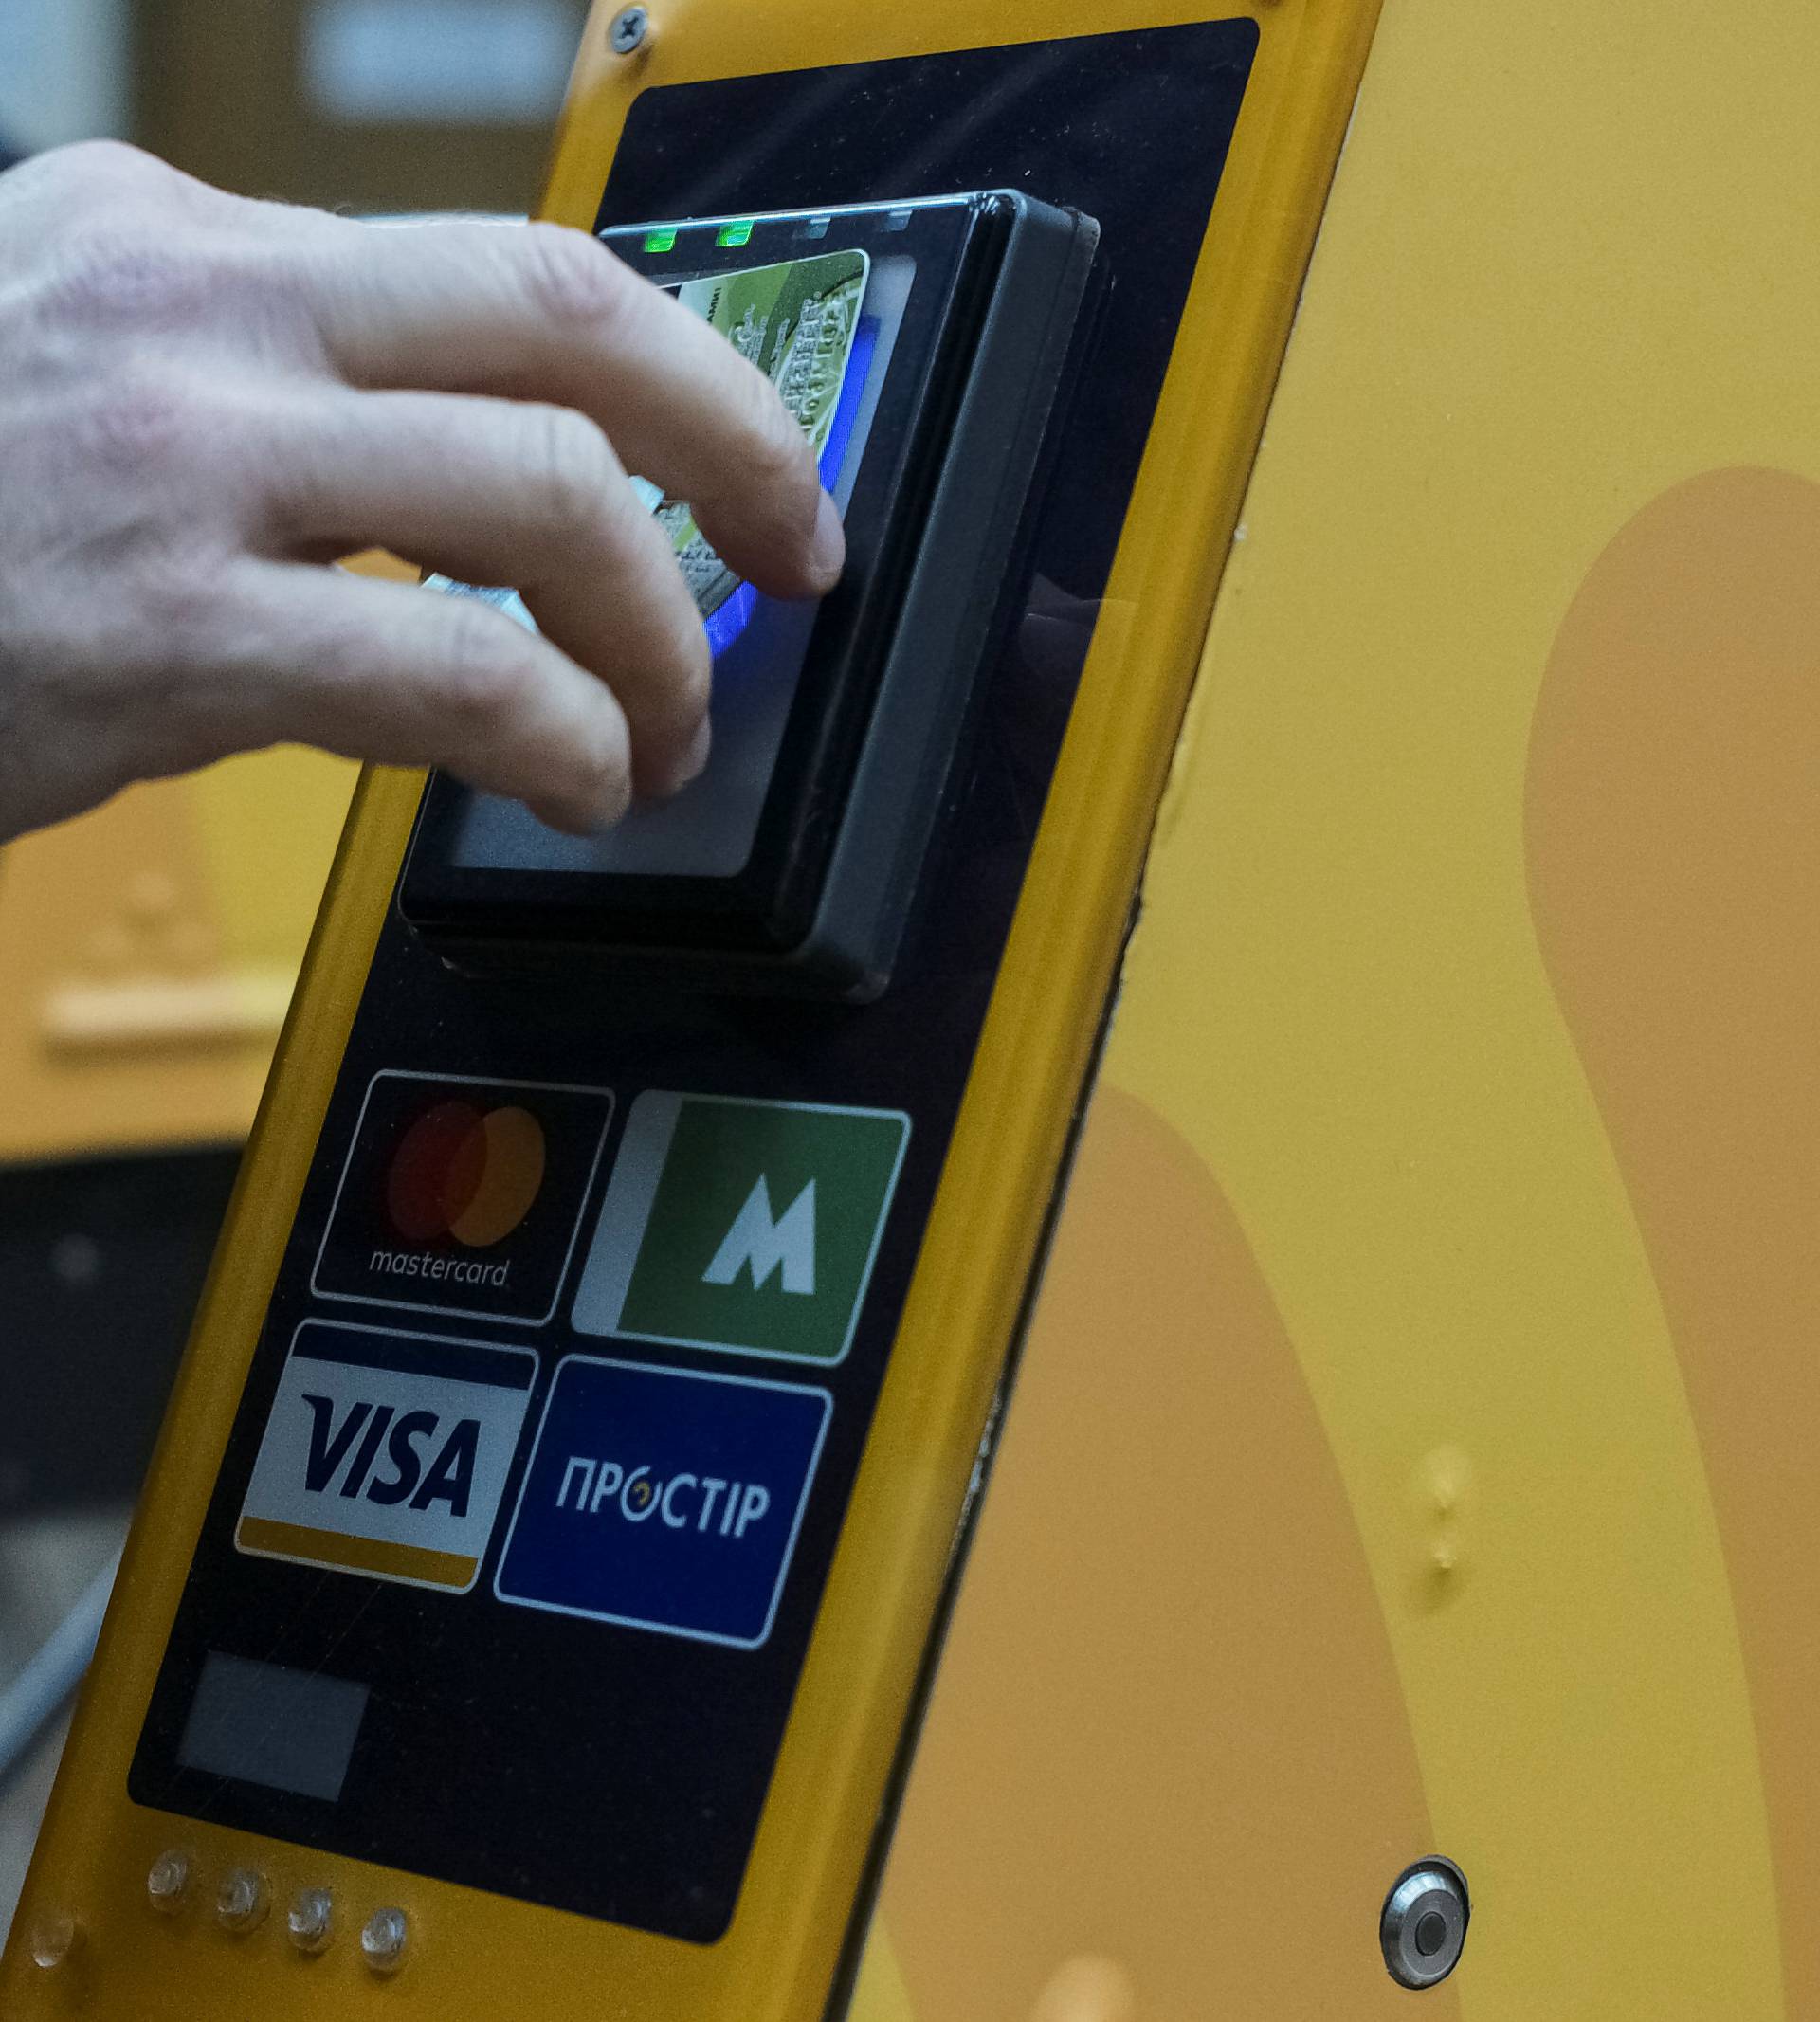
796,321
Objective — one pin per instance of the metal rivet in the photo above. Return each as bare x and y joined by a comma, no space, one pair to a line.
630,27
312,1919
384,1940
166,1887
1423,1929
52,1942
242,1900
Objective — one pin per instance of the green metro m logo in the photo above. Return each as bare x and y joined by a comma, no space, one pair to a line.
745,1225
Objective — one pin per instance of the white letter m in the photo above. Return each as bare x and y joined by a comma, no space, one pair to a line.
764,1242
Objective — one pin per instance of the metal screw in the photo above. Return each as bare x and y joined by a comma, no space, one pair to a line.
242,1900
166,1887
384,1940
630,27
1423,1929
53,1941
312,1919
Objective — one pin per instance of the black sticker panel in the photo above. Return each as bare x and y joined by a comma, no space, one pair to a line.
590,1717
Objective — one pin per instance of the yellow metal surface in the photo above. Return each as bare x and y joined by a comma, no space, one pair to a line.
1415,1449
149,952
475,1956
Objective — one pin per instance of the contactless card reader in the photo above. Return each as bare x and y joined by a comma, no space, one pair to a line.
924,345
535,1597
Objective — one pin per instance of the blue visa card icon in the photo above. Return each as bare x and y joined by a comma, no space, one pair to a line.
665,1499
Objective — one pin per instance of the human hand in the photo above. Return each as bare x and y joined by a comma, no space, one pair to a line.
203,401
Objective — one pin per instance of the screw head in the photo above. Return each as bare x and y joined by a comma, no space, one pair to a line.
1423,1929
630,27
385,1940
242,1900
52,1942
312,1918
166,1887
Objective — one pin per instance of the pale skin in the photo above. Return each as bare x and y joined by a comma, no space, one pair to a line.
204,401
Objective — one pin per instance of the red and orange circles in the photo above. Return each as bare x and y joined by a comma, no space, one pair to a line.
465,1172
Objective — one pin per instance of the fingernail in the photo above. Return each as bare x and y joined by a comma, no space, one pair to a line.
610,808
827,549
598,817
699,746
564,820
692,764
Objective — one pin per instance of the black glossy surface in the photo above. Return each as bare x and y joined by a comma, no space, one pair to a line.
611,1771
101,1263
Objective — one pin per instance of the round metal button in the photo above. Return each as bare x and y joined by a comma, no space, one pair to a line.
1423,1929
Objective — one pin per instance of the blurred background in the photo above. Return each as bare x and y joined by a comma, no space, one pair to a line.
373,104
148,951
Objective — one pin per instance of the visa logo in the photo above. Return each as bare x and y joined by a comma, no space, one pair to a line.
387,1454
447,1477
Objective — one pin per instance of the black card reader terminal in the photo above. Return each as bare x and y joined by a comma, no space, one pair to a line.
927,345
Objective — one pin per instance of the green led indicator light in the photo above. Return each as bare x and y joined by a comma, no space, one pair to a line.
660,241
734,234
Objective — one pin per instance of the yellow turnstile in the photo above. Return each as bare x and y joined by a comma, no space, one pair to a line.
1406,1459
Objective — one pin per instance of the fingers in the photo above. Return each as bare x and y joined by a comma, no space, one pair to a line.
494,491
394,673
540,313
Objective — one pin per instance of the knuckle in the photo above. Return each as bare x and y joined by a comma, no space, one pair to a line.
177,593
139,418
116,274
573,469
572,278
112,166
488,671
111,175
775,452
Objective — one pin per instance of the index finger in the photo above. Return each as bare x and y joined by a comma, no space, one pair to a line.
541,312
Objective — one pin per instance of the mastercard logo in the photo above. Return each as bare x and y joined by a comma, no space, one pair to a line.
468,1171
